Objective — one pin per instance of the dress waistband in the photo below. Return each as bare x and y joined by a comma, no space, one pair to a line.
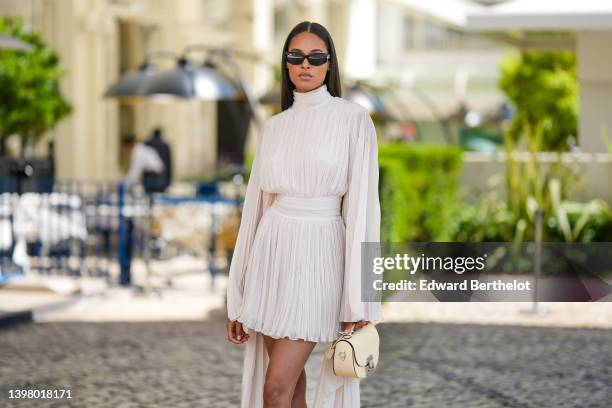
321,208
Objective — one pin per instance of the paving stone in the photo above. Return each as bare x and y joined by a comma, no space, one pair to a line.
191,364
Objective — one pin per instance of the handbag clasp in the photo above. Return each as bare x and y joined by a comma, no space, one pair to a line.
370,363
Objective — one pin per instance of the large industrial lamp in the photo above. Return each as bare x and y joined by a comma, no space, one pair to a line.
131,84
188,80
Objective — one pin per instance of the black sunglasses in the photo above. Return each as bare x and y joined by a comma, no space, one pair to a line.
316,58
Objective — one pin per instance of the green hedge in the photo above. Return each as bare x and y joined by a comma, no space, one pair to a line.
418,191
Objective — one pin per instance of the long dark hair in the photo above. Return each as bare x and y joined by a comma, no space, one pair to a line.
332,77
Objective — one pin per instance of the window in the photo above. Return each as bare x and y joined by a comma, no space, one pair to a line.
435,36
408,32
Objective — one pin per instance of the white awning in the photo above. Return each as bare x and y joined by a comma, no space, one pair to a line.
595,15
588,15
451,11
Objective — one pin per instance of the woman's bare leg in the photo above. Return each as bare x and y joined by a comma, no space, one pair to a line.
299,393
285,383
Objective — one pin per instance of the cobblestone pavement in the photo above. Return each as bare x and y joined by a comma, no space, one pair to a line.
190,364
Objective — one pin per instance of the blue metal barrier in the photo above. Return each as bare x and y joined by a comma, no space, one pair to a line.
73,226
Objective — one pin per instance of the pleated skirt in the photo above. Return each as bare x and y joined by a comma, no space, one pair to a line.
294,277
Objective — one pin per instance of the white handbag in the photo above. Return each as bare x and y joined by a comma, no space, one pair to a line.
355,354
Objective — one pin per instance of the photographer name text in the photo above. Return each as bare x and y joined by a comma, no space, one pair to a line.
471,284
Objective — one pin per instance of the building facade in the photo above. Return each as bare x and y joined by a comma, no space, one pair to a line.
100,40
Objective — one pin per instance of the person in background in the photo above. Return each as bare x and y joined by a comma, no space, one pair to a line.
158,183
157,142
145,163
148,168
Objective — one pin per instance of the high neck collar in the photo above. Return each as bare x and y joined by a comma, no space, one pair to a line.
312,98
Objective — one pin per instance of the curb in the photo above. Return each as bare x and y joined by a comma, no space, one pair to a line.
10,319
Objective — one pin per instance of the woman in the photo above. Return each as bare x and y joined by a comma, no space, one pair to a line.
312,198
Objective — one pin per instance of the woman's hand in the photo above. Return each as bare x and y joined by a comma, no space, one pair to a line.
235,332
353,326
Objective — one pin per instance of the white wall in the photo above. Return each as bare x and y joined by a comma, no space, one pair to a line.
594,52
360,62
594,169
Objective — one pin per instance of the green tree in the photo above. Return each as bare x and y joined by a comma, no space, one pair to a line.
544,88
31,102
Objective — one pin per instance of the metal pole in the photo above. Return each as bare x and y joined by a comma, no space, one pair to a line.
537,308
124,236
226,54
213,245
253,102
147,242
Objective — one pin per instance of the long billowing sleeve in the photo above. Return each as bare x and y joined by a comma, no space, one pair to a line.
256,202
361,214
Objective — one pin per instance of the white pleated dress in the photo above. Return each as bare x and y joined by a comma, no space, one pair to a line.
311,199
